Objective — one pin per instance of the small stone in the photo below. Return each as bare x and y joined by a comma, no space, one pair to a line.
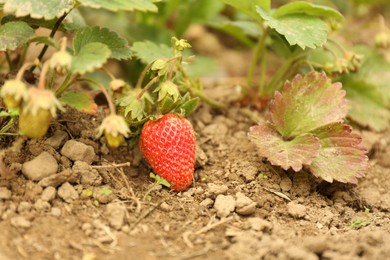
40,167
57,139
32,190
24,206
77,151
250,173
259,224
56,212
165,206
49,194
207,203
215,189
115,213
224,205
244,205
56,180
20,222
296,210
41,205
285,184
88,176
104,194
247,210
5,193
67,192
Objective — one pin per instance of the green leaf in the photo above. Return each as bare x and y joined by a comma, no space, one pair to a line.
80,101
188,106
367,105
300,7
166,105
159,180
284,153
125,5
248,7
37,9
307,103
14,35
241,30
342,157
44,40
301,29
118,46
90,57
148,51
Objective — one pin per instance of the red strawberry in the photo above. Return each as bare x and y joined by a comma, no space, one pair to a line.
168,145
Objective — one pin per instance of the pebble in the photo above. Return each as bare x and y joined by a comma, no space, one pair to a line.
207,203
20,222
5,193
56,180
103,194
77,151
41,205
67,192
57,139
165,206
115,213
32,190
215,189
88,176
24,206
49,194
259,224
40,167
224,205
296,210
56,212
244,205
285,184
250,173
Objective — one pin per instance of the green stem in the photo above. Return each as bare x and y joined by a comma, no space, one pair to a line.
147,87
22,57
64,85
259,52
104,91
10,123
9,61
52,33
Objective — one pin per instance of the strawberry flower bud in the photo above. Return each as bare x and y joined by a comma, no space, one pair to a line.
38,111
115,130
13,93
181,44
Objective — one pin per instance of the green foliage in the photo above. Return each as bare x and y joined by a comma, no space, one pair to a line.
118,46
37,9
14,35
89,57
117,5
159,180
80,100
248,7
148,51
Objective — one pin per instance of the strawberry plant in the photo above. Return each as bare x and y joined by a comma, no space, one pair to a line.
305,129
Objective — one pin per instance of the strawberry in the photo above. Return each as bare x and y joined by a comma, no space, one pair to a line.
168,145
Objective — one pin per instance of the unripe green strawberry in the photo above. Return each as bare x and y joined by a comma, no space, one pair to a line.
115,130
168,145
13,93
37,112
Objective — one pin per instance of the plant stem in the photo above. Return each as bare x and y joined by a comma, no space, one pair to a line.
142,76
52,33
259,52
22,57
9,61
104,91
19,75
42,77
64,85
148,86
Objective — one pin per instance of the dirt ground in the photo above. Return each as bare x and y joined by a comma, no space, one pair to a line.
239,206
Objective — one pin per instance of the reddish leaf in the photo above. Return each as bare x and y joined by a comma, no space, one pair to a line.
307,103
284,153
342,157
81,101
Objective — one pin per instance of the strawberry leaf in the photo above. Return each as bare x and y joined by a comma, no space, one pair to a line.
80,101
148,51
301,29
14,35
90,57
307,103
248,7
37,9
284,153
117,5
342,157
118,46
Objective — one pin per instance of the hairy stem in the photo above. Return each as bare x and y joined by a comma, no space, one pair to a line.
104,91
9,61
258,53
42,77
147,87
64,85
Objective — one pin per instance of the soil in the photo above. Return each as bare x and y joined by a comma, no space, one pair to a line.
239,206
